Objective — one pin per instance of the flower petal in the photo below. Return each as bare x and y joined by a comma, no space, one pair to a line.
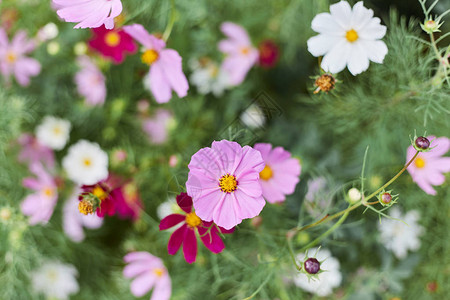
142,284
170,221
325,23
235,32
158,83
342,13
162,289
336,59
176,239
174,71
358,61
184,202
321,44
225,213
375,50
212,240
190,246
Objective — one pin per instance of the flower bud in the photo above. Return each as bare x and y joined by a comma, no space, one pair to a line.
422,143
354,195
386,198
431,26
325,83
311,265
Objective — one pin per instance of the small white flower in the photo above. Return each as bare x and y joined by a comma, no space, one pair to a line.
253,117
399,237
48,32
348,38
55,280
167,208
86,163
208,77
53,132
354,195
327,280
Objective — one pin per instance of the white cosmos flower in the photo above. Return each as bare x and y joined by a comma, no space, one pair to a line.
348,38
53,132
399,237
208,77
253,117
55,280
327,280
85,163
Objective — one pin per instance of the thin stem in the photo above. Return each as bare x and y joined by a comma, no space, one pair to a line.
260,287
291,253
171,21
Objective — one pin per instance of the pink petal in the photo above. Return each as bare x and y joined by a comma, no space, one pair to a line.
229,154
32,183
235,32
159,84
251,160
250,184
134,269
225,213
162,289
176,239
138,32
24,68
426,186
442,145
170,221
190,246
206,204
246,207
271,193
174,71
142,284
441,164
139,255
264,149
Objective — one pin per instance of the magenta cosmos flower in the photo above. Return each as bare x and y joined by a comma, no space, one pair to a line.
224,183
90,82
186,234
89,13
240,54
280,175
149,272
39,206
13,60
113,43
428,168
166,72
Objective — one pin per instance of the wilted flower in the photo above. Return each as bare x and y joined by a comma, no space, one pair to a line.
53,132
90,81
428,167
13,60
55,280
398,236
86,163
348,38
280,175
224,183
113,43
89,13
149,272
186,234
241,56
166,72
40,205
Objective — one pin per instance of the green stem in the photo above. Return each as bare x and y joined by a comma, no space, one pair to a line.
171,21
260,287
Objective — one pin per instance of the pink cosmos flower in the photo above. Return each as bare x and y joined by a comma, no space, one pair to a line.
186,233
166,72
280,175
428,168
89,13
13,59
32,152
240,54
40,205
149,272
90,82
157,126
223,182
73,221
112,43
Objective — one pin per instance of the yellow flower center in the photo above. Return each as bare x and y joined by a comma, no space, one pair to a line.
48,192
419,162
228,183
351,35
85,207
99,193
266,173
193,220
159,272
11,57
149,57
245,50
52,275
57,130
87,162
112,39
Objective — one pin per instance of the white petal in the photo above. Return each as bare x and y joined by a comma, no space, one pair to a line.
361,16
358,61
336,59
320,44
375,50
324,23
342,14
373,30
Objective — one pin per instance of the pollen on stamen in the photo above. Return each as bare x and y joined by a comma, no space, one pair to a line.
149,57
85,207
228,183
351,36
112,39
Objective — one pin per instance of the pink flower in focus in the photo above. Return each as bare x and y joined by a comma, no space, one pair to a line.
90,82
223,182
32,152
73,221
40,205
149,272
428,167
157,127
166,72
112,43
13,60
89,13
280,175
240,54
186,234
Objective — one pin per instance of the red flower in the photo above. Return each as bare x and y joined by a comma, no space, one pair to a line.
112,43
268,53
186,234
